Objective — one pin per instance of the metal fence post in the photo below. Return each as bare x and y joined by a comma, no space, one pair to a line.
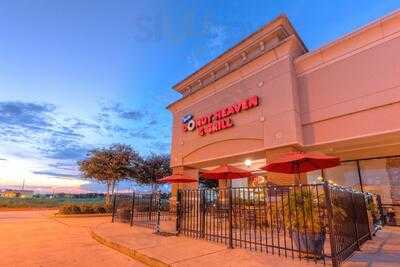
178,210
382,217
150,206
133,207
329,208
366,214
355,220
113,207
230,219
158,211
203,213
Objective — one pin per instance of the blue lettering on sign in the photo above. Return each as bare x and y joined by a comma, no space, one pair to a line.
187,118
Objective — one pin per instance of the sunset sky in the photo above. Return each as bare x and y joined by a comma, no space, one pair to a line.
75,75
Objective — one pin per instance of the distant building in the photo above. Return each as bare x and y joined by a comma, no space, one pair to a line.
17,193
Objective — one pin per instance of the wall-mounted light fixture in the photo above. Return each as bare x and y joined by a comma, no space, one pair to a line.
248,162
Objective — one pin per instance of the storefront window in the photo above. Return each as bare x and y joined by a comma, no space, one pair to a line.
207,183
345,174
314,177
376,179
239,183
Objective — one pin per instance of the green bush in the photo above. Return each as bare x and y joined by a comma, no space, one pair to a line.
70,209
83,209
108,208
99,209
87,209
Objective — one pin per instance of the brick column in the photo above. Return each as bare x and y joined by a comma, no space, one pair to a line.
281,178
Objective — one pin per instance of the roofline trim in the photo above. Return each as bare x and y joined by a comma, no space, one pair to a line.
349,35
208,66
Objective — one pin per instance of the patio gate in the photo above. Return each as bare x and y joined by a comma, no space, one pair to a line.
312,222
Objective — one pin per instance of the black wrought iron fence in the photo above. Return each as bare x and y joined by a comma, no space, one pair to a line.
350,224
312,222
144,209
391,218
122,208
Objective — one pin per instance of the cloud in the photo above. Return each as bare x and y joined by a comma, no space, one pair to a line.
122,186
64,166
93,187
116,129
38,126
85,125
217,37
30,115
55,174
123,113
143,133
26,122
54,142
160,146
64,149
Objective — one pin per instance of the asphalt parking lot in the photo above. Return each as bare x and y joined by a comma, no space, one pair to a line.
35,238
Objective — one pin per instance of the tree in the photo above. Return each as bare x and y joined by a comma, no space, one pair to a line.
152,168
110,165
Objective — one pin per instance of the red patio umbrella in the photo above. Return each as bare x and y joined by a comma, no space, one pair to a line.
299,162
225,172
177,178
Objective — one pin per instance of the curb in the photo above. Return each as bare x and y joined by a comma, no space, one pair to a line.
134,254
57,215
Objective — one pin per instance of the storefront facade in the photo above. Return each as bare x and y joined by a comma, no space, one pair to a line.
269,95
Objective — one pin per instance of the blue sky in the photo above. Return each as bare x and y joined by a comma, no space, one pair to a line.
75,75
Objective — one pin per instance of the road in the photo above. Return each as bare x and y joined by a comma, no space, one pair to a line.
35,238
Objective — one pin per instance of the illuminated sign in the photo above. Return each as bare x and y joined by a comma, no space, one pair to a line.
219,120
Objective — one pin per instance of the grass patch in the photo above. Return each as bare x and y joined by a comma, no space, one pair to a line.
15,203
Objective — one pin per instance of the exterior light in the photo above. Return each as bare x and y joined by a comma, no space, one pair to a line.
248,162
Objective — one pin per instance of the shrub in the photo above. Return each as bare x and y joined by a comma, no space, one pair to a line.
83,209
99,209
70,209
87,209
108,208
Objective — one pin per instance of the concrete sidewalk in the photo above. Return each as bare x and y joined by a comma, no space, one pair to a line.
155,250
382,251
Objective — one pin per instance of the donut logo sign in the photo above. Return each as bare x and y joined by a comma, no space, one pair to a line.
188,123
218,120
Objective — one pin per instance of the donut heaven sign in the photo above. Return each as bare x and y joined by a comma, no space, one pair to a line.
218,120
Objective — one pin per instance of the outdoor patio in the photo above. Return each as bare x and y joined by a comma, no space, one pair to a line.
141,243
156,250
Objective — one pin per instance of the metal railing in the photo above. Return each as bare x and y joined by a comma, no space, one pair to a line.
312,222
389,215
316,222
143,209
348,233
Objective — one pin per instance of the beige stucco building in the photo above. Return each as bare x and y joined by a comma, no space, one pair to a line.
342,99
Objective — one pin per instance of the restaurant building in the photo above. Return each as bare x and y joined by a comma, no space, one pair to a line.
269,95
